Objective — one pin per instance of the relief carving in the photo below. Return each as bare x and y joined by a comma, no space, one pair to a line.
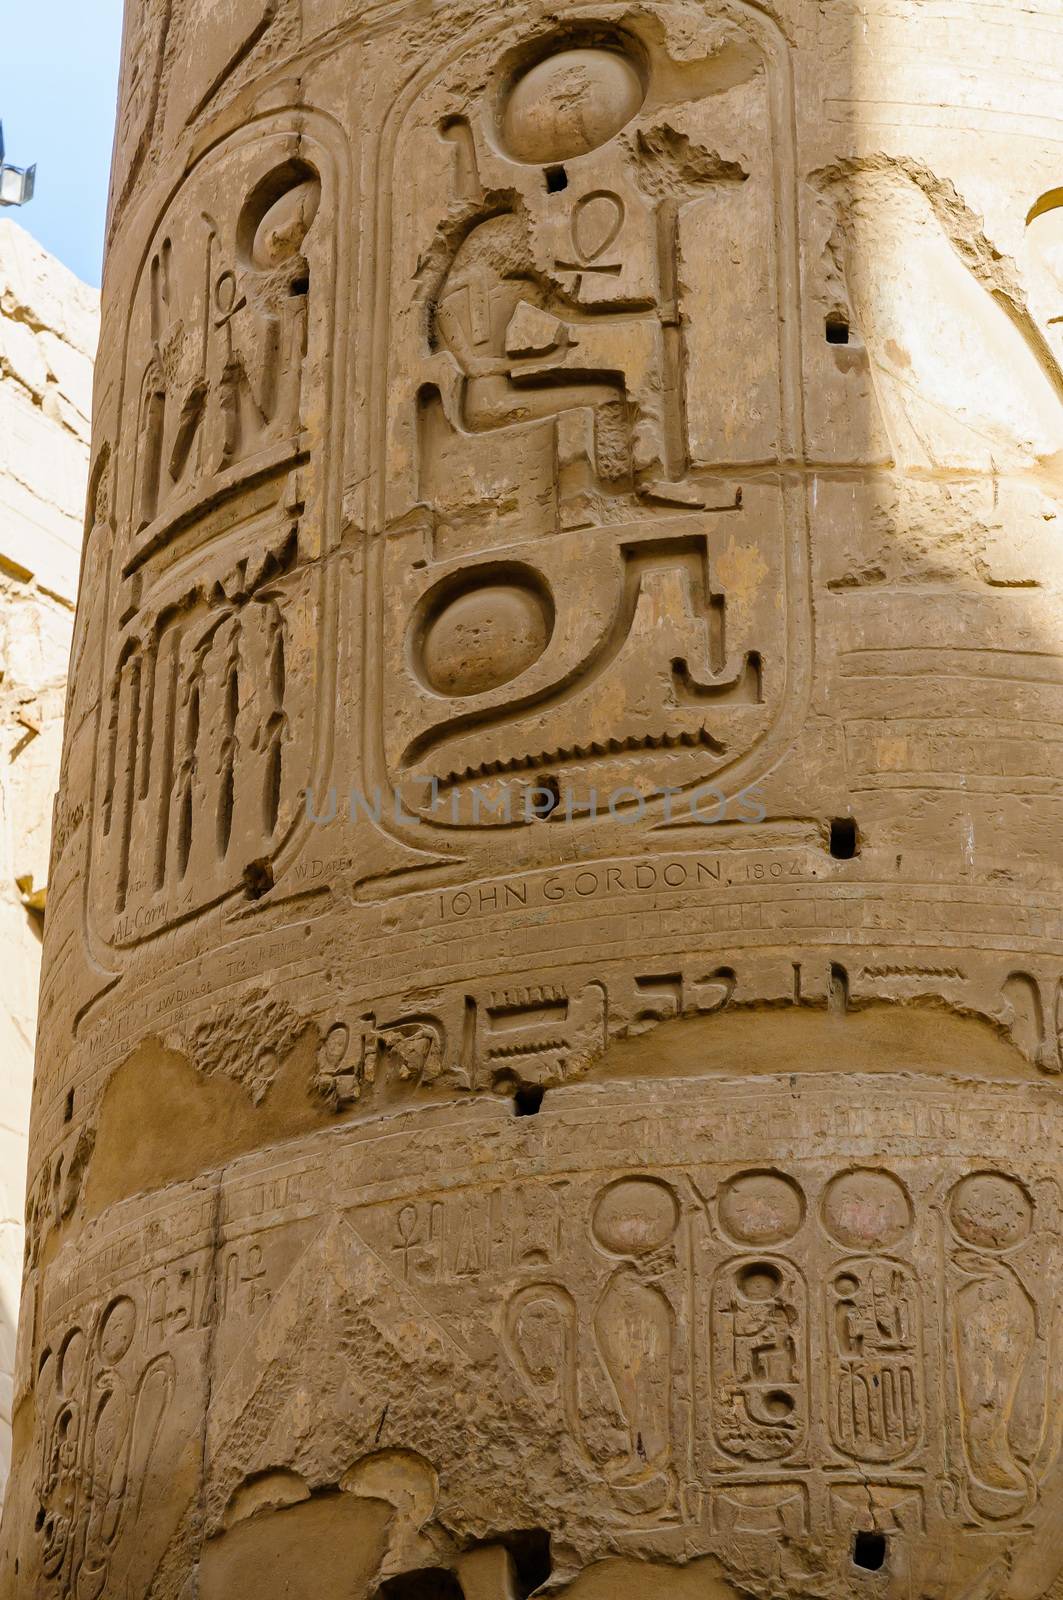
109,1409
212,679
759,1361
222,381
624,1349
877,1361
633,1326
652,413
553,463
1006,1330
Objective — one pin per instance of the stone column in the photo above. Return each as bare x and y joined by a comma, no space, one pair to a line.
551,1023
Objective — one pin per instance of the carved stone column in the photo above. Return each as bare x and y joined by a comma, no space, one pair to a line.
550,1040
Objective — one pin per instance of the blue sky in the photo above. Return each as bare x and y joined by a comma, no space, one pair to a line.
58,83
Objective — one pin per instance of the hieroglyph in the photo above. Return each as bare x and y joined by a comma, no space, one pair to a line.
562,455
212,701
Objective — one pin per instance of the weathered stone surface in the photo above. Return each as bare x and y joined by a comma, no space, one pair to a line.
49,323
650,413
48,326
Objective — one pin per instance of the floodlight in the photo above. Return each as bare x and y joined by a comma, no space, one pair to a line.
16,183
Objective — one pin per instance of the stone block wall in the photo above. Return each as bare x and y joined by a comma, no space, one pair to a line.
49,322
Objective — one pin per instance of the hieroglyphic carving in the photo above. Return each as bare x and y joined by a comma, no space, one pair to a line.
498,1039
551,347
1034,1014
603,1355
228,337
876,1360
873,1320
197,1294
636,1221
672,1386
107,1411
178,56
446,1239
212,694
1005,1327
197,737
408,1051
761,1288
759,1359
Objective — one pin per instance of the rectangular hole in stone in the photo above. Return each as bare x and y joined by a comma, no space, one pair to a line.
844,842
869,1551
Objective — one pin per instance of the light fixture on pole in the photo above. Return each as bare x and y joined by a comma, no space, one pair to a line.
16,183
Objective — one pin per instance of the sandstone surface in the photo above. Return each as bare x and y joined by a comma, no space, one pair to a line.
49,322
549,1071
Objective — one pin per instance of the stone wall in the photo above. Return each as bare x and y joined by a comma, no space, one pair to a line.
49,322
